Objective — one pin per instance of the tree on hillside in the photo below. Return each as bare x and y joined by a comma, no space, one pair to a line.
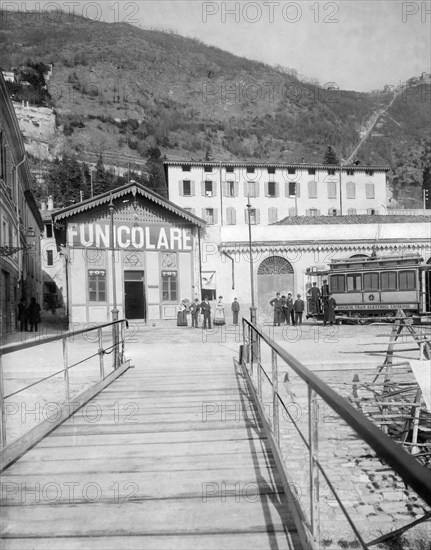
65,180
330,156
156,172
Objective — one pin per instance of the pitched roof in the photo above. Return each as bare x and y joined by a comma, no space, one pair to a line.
352,220
134,188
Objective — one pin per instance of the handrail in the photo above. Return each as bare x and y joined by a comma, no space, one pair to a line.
406,466
10,348
116,346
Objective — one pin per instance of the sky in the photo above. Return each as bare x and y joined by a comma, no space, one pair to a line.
356,44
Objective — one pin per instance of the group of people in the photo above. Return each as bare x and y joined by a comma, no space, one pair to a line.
286,310
28,316
322,299
290,312
204,308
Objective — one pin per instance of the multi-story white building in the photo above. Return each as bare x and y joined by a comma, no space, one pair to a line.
219,192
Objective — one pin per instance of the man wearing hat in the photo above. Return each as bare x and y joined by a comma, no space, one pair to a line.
278,309
194,310
235,310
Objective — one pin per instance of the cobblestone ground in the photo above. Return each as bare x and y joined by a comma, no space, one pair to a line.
373,495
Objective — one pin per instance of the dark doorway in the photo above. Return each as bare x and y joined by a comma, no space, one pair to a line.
134,295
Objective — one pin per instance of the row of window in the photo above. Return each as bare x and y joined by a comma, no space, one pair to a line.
210,215
97,289
187,188
271,170
388,280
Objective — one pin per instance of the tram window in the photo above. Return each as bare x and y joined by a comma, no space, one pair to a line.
354,282
337,283
371,281
388,280
407,280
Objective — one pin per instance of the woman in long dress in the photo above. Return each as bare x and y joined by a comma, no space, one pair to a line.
219,312
181,315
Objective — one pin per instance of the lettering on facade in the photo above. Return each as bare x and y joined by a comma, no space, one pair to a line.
151,237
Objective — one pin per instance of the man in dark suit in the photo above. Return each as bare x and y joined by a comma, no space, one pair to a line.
278,309
235,309
206,312
194,310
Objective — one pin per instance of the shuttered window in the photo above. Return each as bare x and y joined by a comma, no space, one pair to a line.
272,215
230,216
351,190
312,190
369,191
332,189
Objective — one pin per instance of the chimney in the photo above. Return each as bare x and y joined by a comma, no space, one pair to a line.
50,203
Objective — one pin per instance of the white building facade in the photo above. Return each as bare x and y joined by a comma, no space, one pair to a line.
219,192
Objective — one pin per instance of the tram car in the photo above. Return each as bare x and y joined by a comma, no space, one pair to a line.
377,286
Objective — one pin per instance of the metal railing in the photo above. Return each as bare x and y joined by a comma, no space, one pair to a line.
114,346
264,385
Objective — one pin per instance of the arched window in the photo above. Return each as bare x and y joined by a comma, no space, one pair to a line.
275,265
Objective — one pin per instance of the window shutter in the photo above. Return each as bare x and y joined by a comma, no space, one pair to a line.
312,190
272,215
246,215
286,188
292,211
180,189
231,215
350,190
298,189
225,188
266,189
369,190
277,189
192,187
257,215
214,188
256,188
204,214
203,188
307,212
236,188
318,211
215,215
246,189
332,190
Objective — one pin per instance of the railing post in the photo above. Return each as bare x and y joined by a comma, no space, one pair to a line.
275,402
115,338
66,370
250,343
3,438
313,420
101,354
259,366
122,324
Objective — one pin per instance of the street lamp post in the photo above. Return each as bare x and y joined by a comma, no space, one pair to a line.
253,307
114,287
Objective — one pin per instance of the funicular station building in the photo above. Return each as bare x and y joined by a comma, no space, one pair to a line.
129,250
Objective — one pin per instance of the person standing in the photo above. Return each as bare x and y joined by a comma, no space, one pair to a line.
206,312
329,310
22,315
33,314
181,315
235,310
299,309
289,313
278,309
324,293
194,310
219,313
314,293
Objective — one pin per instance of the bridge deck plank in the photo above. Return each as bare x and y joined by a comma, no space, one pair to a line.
166,460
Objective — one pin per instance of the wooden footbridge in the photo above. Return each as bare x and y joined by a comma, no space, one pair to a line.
175,451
